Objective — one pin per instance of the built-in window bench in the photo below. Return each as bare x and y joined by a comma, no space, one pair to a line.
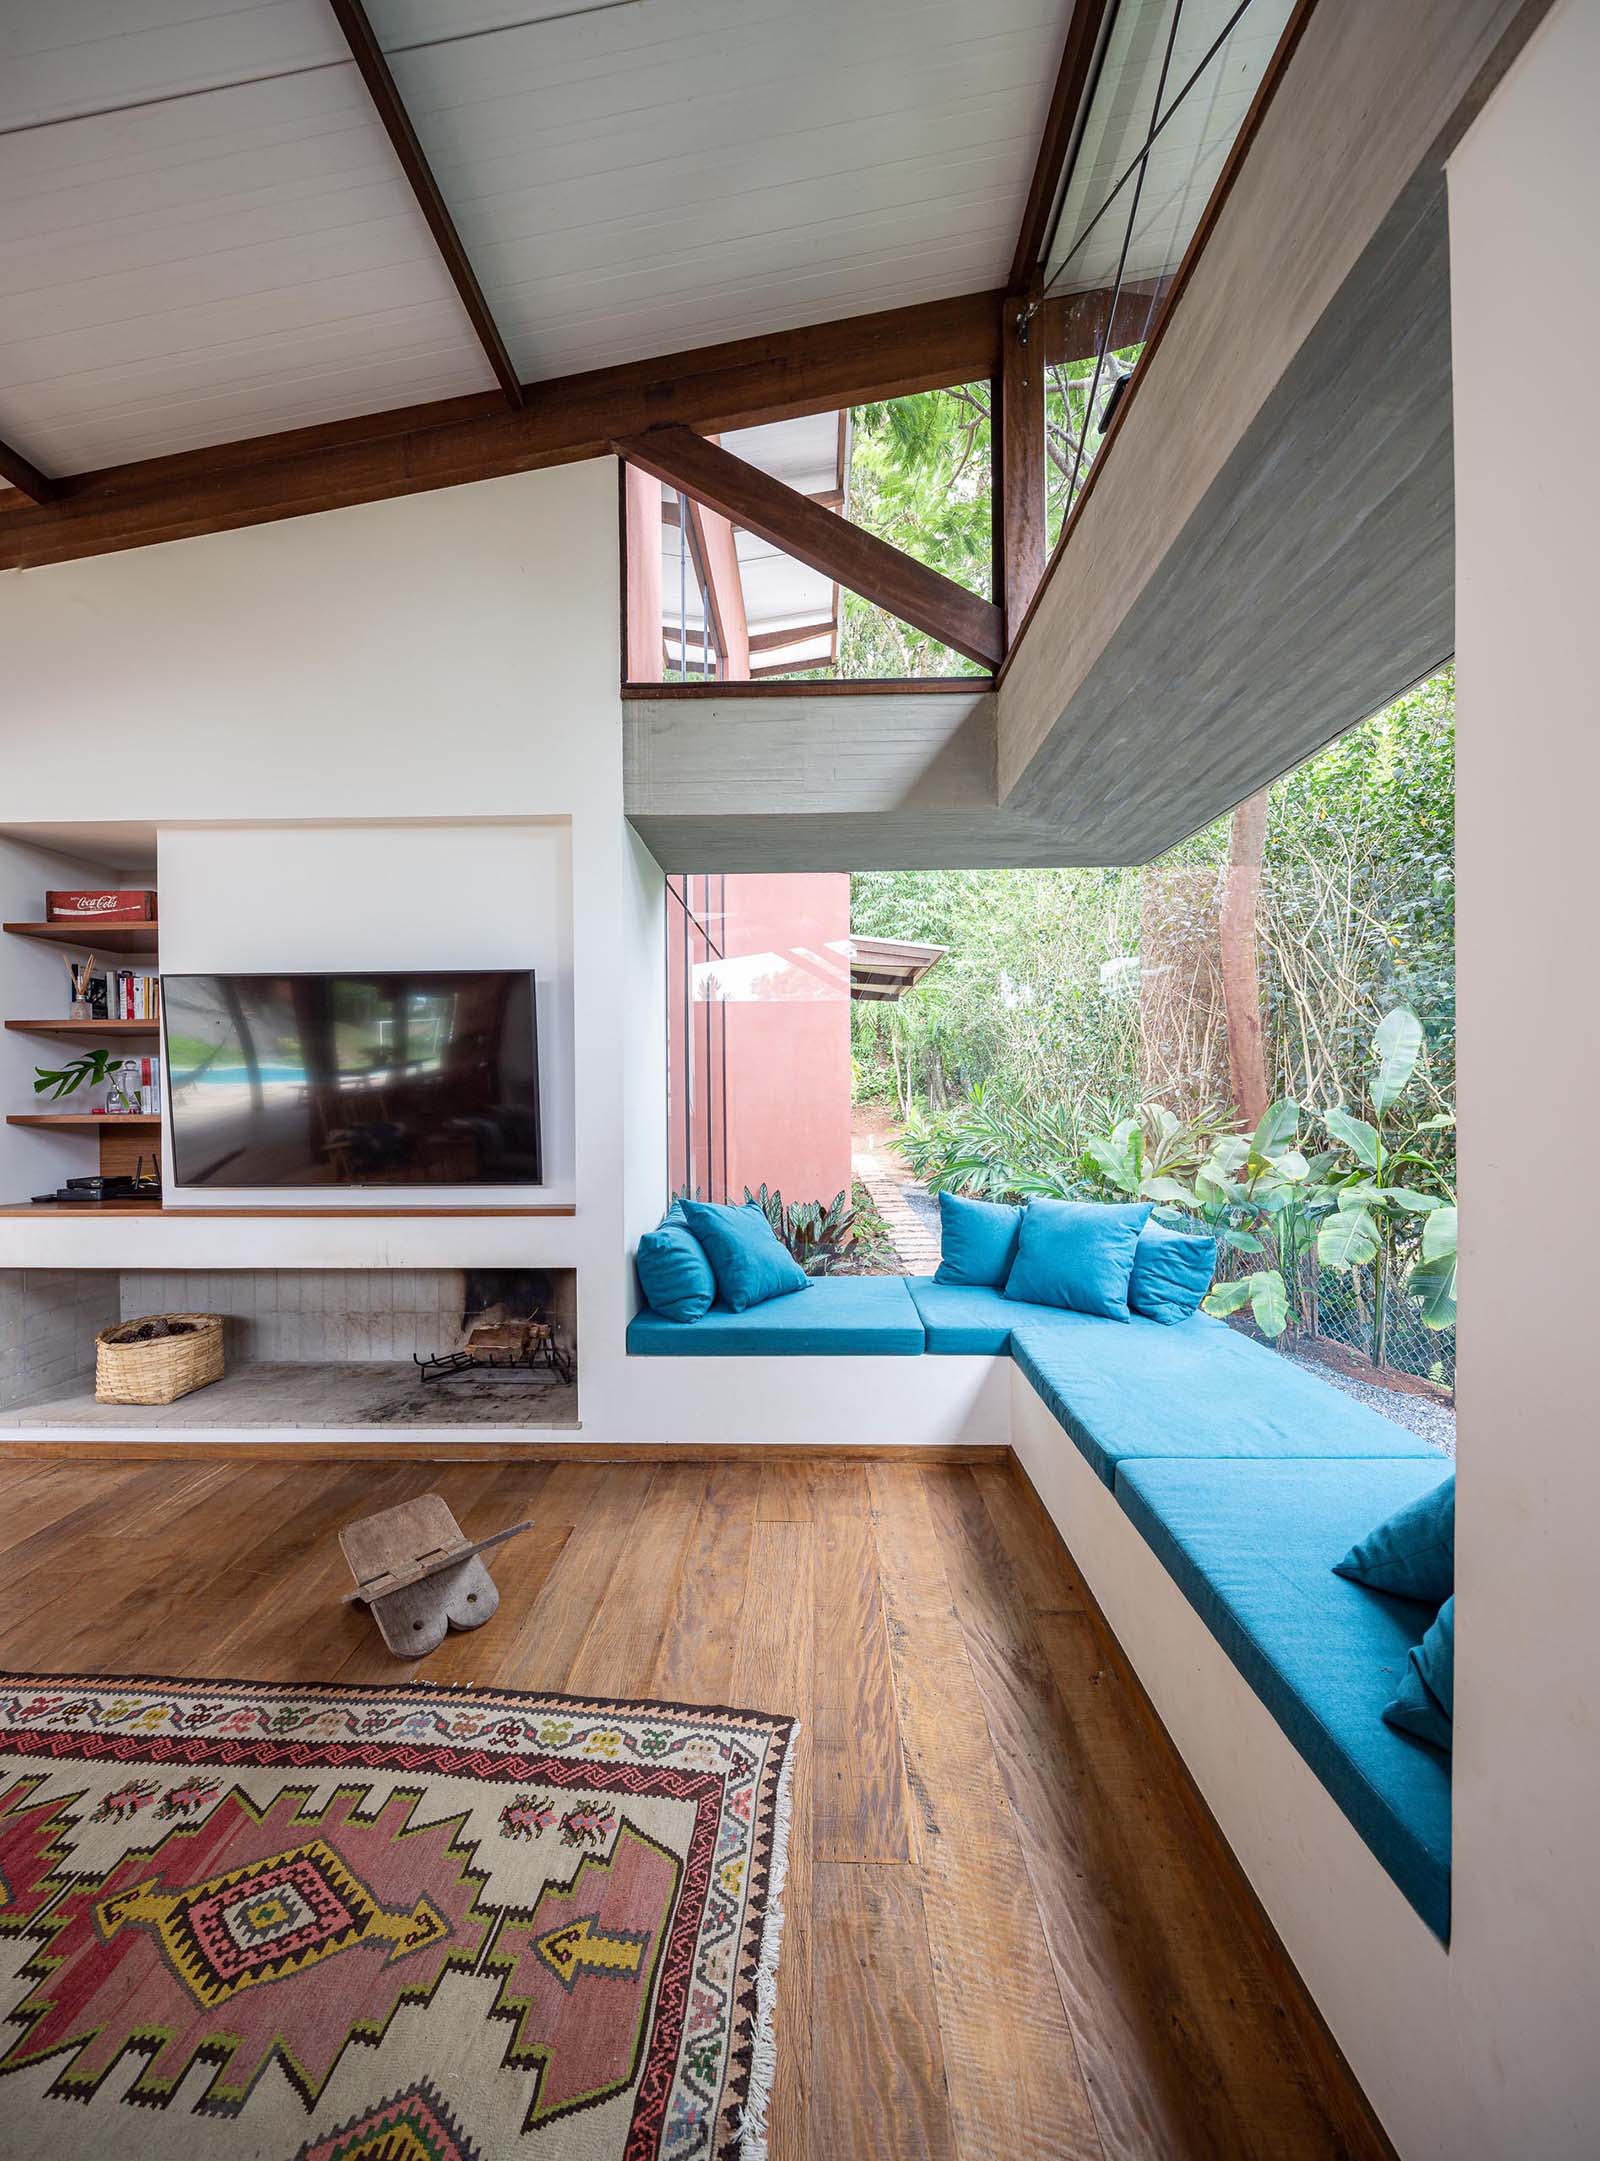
1246,1477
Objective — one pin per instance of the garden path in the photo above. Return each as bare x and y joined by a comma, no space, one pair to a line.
909,1211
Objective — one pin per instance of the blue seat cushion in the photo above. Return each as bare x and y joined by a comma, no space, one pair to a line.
1424,1703
749,1262
964,1316
839,1317
1413,1552
1172,1272
977,1240
1077,1255
1252,1546
1130,1389
674,1274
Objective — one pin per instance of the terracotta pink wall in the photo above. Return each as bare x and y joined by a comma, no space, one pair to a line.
786,974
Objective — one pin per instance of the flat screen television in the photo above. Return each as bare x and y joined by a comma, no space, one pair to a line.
416,1078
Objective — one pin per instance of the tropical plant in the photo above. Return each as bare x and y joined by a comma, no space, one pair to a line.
1432,1283
88,1069
997,1144
1260,1197
1146,1155
815,1232
1376,1207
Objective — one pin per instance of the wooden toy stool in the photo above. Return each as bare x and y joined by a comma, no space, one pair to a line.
420,1574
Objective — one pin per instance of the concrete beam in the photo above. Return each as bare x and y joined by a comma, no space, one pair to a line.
836,781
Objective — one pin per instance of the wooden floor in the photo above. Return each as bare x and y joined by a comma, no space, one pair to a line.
1006,1935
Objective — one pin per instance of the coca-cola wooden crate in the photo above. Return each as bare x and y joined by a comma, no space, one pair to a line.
94,905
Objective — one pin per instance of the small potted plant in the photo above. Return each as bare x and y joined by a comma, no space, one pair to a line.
90,1067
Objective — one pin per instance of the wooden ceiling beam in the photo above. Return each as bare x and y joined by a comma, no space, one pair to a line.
1072,86
25,476
856,558
778,641
369,57
1075,323
829,498
1020,496
744,383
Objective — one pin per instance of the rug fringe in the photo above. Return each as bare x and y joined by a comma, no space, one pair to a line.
764,2043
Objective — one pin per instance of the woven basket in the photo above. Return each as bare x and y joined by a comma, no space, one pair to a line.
162,1368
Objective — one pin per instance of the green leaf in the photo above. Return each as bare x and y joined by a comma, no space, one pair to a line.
1433,1286
1348,1239
1269,1302
1166,1189
1103,1156
1439,1123
1439,1235
1397,1046
1292,1167
1277,1129
1225,1298
1354,1134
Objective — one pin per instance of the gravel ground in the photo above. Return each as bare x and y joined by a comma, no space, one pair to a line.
922,1203
1432,1422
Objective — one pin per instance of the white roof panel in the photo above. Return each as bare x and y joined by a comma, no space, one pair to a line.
205,234
666,175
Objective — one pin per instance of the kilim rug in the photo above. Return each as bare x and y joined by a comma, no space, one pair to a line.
370,1924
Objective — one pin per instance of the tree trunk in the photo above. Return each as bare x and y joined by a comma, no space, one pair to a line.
1241,974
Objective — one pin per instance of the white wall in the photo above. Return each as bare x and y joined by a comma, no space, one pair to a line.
1525,273
374,734
385,896
446,658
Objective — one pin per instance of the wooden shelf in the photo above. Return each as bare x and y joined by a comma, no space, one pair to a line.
89,1121
92,937
102,1028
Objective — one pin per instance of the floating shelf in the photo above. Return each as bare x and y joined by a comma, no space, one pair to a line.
92,937
101,1028
89,1121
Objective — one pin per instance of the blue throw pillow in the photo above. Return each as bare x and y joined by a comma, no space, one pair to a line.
1078,1254
674,1273
978,1240
750,1264
1172,1272
1413,1553
1425,1704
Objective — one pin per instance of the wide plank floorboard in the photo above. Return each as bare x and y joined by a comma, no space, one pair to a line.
1003,1935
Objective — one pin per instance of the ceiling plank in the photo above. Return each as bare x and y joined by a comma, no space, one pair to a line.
25,476
744,383
368,56
1066,103
856,558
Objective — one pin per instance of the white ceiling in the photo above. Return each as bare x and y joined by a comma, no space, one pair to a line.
205,235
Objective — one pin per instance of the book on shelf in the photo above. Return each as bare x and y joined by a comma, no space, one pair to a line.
131,995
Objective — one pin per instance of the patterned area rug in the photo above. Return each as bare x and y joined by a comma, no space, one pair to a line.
365,1924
